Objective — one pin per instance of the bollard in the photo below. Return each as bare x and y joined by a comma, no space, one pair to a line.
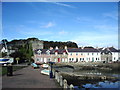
71,87
9,70
65,83
58,77
61,81
53,73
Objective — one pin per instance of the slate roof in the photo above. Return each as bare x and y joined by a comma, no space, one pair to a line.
112,49
83,50
106,51
44,51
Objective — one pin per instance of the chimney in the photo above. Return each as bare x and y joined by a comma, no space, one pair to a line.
82,47
51,48
97,47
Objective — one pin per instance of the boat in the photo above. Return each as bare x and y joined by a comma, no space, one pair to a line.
7,59
45,72
4,60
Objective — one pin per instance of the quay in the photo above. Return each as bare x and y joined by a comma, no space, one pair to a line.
28,78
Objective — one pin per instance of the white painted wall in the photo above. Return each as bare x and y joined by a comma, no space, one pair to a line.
86,55
114,56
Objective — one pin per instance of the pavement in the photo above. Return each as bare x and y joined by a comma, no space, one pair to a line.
28,78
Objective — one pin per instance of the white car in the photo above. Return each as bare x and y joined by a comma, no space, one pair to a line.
45,65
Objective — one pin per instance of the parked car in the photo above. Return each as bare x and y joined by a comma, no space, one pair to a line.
34,65
44,65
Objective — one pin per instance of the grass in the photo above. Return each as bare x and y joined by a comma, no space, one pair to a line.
3,70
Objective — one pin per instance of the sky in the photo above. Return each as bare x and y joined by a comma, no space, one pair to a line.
86,23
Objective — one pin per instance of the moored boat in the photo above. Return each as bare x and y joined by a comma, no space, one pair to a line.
45,71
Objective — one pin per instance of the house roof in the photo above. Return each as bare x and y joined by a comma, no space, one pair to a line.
44,51
112,49
106,51
83,50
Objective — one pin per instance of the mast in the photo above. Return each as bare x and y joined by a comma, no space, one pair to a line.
6,48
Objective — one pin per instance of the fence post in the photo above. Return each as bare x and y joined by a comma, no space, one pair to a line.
71,87
65,83
61,80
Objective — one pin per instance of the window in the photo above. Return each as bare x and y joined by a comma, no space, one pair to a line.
114,58
37,59
80,59
83,58
70,53
39,52
81,54
48,52
97,53
76,53
70,59
92,53
88,53
96,58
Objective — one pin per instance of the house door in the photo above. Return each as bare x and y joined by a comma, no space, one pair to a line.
58,59
92,59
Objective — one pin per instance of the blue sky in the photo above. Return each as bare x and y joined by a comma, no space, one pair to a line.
86,23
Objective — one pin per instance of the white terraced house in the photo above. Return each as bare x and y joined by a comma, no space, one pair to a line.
86,54
114,52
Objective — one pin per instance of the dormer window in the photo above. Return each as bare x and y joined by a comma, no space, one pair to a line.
56,53
63,53
39,52
48,52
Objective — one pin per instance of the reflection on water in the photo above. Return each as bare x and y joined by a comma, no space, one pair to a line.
105,84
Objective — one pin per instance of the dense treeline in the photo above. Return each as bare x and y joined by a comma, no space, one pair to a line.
69,44
47,44
23,47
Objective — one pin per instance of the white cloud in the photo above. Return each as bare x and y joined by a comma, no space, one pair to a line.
113,15
62,4
62,32
49,24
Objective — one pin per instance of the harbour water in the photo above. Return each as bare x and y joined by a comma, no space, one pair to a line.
91,83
